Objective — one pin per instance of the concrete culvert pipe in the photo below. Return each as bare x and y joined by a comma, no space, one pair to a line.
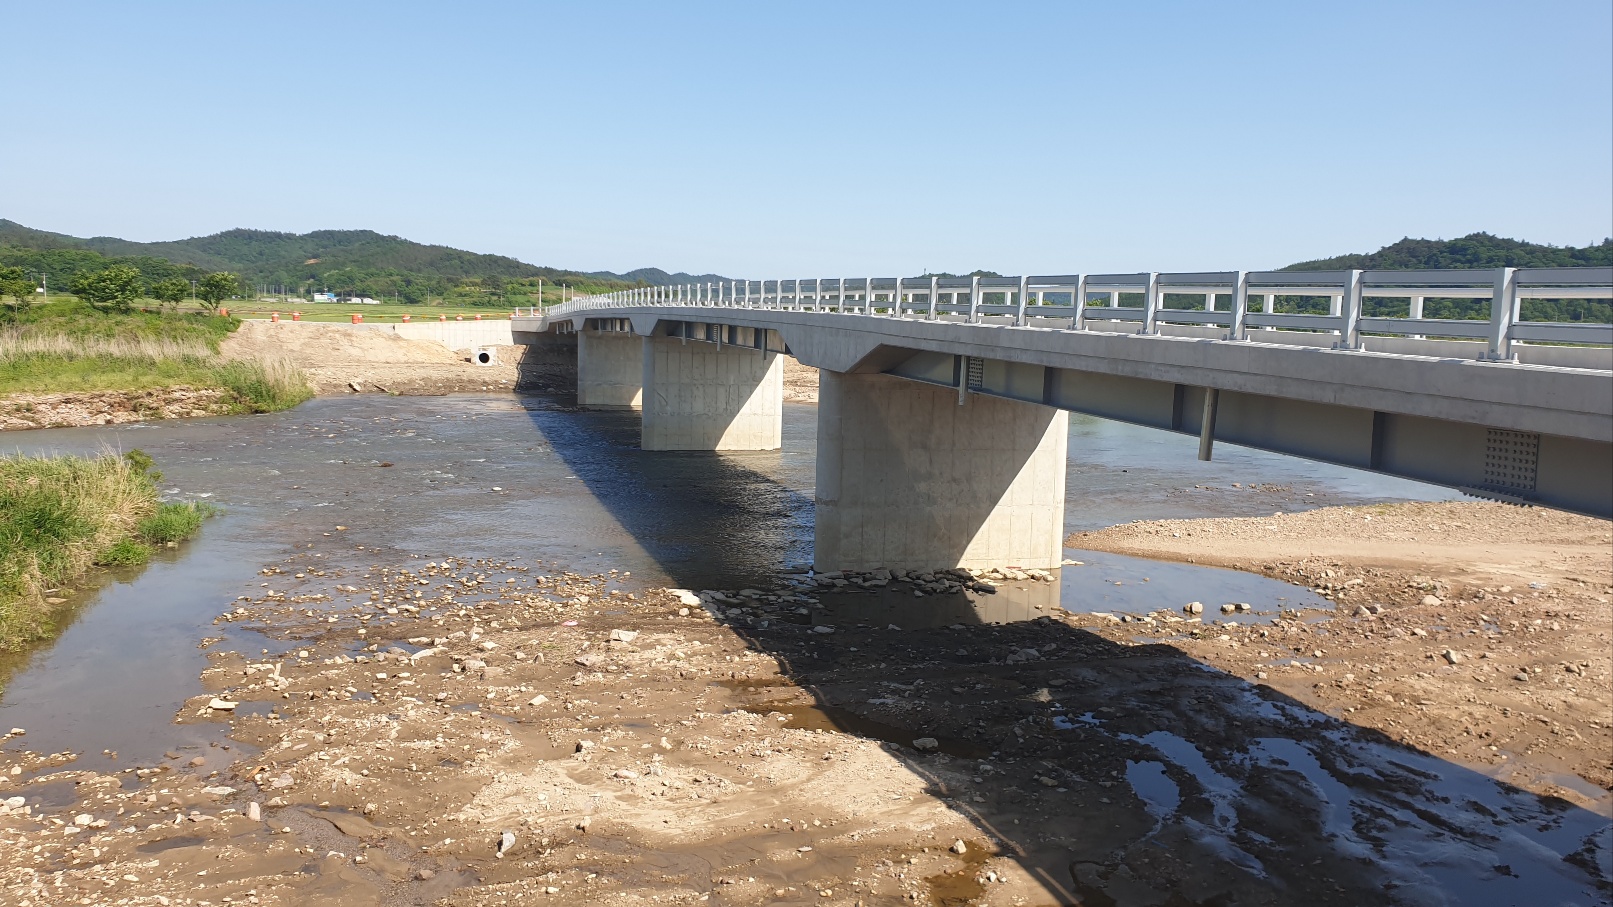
484,356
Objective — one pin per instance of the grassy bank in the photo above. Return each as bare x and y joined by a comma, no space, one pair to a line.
62,515
67,347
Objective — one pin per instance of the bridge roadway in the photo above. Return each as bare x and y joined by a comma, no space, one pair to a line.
942,420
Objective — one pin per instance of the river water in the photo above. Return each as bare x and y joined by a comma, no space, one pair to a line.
533,478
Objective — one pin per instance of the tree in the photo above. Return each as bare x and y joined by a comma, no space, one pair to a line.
172,291
14,282
115,287
215,288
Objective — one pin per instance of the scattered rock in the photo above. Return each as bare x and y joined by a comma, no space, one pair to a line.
505,842
926,744
1193,608
222,705
959,847
1430,601
623,636
1453,656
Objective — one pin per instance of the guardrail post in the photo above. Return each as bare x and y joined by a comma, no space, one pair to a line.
974,300
868,295
896,309
1024,285
798,294
817,294
840,300
1350,314
1503,312
1151,304
1240,306
935,285
1078,302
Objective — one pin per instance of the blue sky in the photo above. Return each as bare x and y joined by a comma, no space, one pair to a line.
769,139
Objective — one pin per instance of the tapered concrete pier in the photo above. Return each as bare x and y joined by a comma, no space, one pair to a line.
909,478
707,396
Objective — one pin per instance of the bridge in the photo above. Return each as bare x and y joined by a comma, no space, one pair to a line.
943,410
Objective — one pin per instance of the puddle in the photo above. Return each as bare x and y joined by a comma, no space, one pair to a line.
49,796
1133,585
1155,788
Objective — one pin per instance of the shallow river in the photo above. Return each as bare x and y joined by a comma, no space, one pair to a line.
534,480
531,478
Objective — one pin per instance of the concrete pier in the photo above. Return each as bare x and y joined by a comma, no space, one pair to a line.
908,478
706,396
610,370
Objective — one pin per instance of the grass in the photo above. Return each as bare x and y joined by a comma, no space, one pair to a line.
66,346
62,515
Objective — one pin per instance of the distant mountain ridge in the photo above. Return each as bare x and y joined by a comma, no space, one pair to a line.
266,256
1475,250
364,262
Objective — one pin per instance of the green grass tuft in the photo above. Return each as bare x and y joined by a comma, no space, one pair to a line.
61,515
125,552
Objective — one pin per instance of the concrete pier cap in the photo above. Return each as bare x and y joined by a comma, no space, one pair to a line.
913,476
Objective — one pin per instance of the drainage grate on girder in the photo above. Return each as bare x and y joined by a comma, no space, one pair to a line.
1511,460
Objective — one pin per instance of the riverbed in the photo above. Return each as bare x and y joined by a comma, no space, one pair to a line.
532,477
1063,762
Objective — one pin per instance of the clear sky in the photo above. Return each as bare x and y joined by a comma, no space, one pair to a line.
812,139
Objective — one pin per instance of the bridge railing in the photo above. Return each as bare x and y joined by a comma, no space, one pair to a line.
1348,304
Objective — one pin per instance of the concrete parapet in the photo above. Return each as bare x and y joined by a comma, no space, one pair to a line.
610,370
908,478
706,396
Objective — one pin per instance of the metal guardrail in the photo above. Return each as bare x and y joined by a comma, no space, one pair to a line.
1250,296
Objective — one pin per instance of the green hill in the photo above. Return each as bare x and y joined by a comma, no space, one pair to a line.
1476,250
358,262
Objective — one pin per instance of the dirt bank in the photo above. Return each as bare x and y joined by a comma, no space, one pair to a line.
340,359
800,382
1482,632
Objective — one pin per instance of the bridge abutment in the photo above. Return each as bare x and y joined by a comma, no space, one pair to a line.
708,396
908,478
610,370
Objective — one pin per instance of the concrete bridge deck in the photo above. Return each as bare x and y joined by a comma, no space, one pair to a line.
941,419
